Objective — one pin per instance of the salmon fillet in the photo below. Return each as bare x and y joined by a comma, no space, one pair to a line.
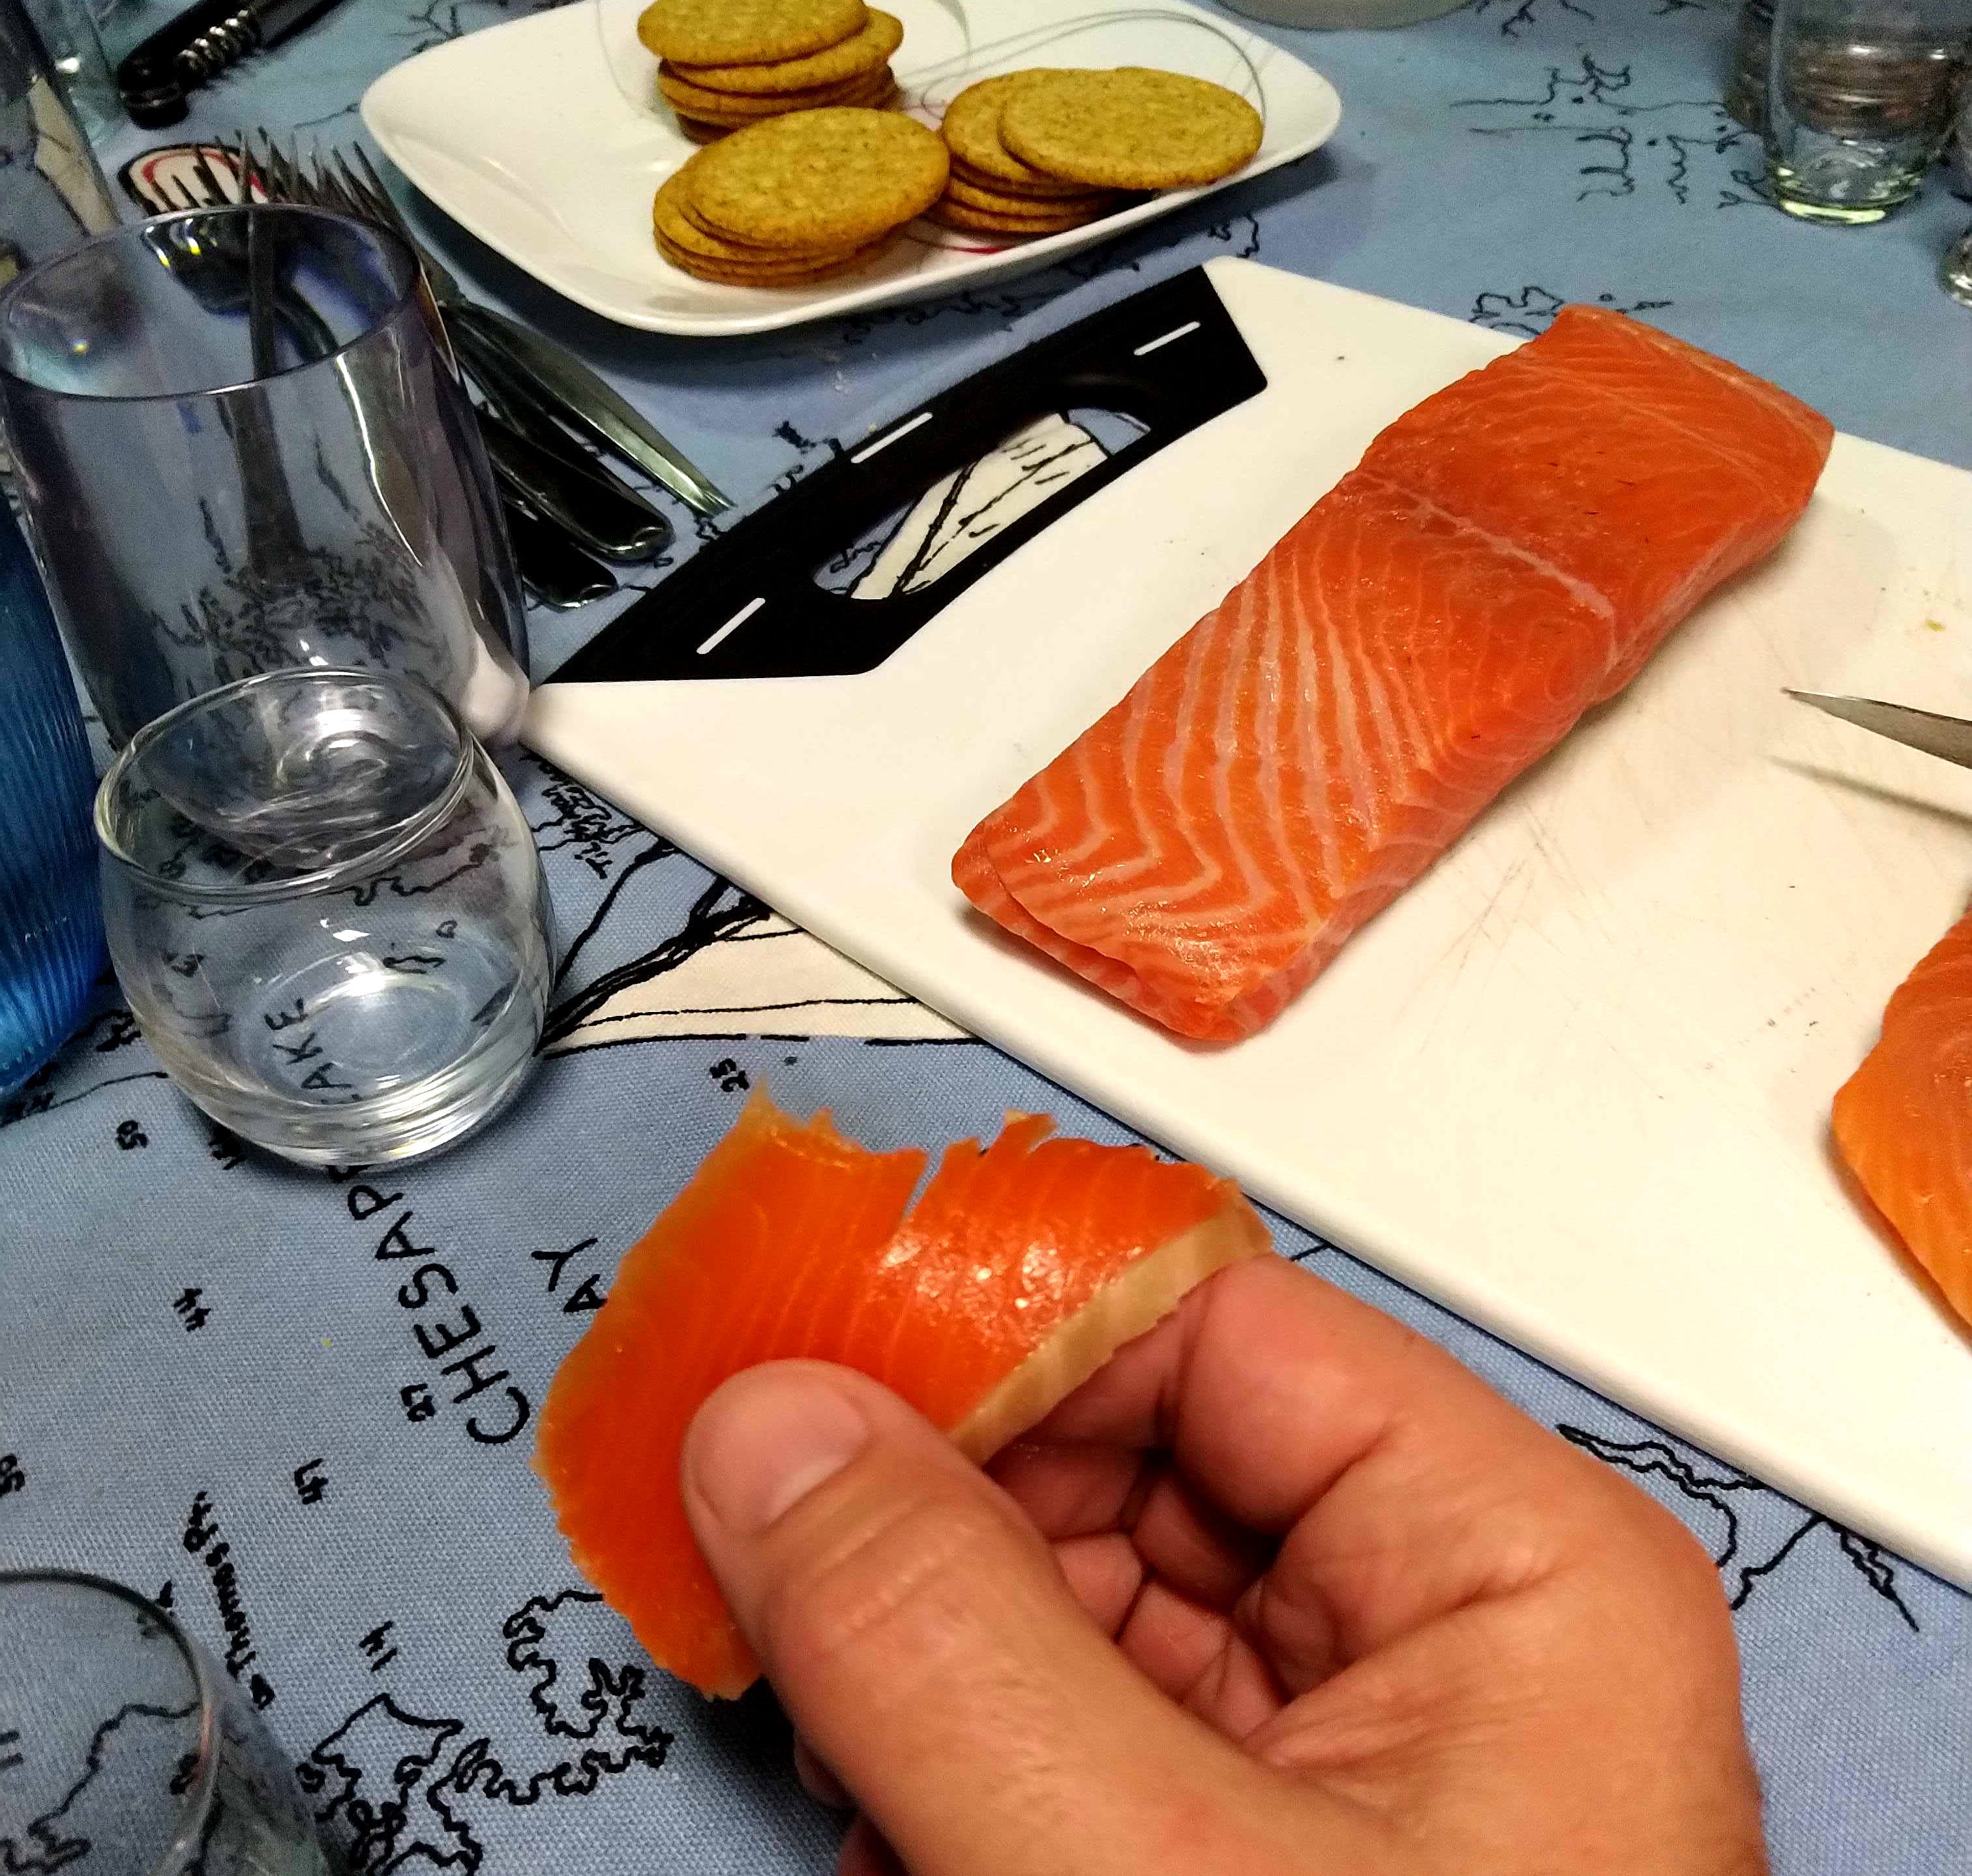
1507,554
1021,1269
1903,1119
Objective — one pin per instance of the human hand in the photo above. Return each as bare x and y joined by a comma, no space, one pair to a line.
1283,1589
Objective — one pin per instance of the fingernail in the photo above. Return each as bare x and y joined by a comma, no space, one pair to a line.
818,1781
767,1439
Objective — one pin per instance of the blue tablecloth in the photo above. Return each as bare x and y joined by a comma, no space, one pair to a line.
209,1385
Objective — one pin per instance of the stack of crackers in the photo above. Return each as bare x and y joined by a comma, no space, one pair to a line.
795,199
808,174
726,64
1037,152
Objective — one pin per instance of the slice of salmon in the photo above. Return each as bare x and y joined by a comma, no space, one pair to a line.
1507,554
1022,1268
1904,1119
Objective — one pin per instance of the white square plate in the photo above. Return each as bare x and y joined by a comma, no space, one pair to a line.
545,138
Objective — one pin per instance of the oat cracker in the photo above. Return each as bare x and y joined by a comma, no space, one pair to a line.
882,34
820,179
747,32
1129,128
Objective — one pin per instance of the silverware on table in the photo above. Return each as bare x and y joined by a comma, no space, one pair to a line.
1950,737
562,381
554,569
583,502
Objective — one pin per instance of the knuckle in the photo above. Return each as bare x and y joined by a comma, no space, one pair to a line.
895,1580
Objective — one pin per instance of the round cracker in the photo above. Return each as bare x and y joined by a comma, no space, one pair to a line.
1129,128
1035,188
675,228
751,249
702,133
874,91
971,126
882,34
711,106
749,262
820,179
793,274
747,32
952,214
958,188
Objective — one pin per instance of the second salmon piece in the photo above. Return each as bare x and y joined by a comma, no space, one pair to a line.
1903,1120
1507,554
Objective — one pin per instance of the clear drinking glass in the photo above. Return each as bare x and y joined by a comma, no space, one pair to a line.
239,449
327,911
50,923
126,1751
1859,102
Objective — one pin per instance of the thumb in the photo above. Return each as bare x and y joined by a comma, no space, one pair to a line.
922,1640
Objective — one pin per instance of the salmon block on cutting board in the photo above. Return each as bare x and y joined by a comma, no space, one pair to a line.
1507,553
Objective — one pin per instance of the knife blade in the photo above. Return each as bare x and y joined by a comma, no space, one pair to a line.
1948,737
587,401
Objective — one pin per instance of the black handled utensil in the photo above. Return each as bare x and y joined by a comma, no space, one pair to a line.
551,566
153,77
747,605
585,504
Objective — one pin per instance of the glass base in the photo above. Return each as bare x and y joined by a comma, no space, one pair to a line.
410,1123
1954,272
1847,185
1835,214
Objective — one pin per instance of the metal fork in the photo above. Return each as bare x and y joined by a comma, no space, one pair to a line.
564,384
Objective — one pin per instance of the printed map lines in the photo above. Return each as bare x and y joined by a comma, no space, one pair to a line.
1756,1522
714,915
1529,310
368,1776
1593,105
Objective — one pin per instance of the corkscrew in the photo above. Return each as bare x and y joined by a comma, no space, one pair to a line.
154,77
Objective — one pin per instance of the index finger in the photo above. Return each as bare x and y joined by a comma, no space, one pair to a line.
1409,1486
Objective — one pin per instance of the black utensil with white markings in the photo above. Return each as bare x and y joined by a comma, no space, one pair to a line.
749,605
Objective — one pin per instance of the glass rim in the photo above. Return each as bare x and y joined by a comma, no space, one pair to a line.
199,1795
398,840
401,250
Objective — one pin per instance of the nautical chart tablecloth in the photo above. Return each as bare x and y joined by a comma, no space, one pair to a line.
214,1380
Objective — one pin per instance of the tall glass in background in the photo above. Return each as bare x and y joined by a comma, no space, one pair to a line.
69,33
1859,102
1954,272
126,1751
52,195
50,923
238,450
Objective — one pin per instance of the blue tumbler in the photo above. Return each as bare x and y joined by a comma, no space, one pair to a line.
50,917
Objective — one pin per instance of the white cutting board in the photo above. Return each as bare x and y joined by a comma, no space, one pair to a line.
1575,1084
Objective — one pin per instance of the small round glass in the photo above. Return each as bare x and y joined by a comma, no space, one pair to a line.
328,912
126,1751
